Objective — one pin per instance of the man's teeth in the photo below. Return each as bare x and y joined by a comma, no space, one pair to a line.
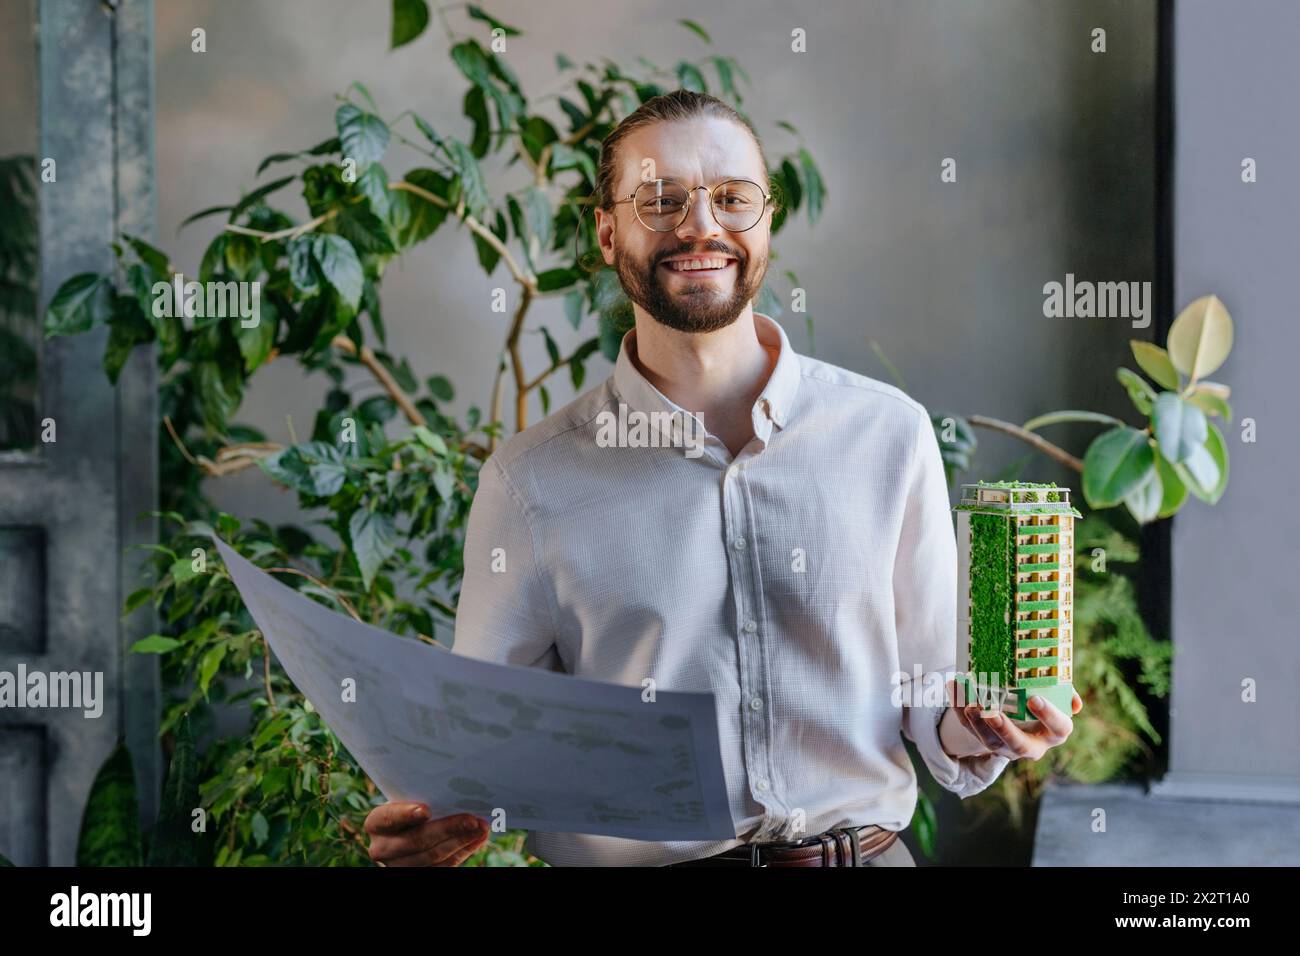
688,265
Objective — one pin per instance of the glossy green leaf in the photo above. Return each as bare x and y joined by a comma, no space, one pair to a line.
340,266
209,664
1144,501
1140,393
110,822
1211,402
698,30
814,189
1205,472
155,644
1179,426
1154,360
374,538
478,13
81,303
1173,491
1116,463
1070,415
410,17
258,194
364,136
173,841
1201,337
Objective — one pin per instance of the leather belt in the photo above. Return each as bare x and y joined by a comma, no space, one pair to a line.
841,846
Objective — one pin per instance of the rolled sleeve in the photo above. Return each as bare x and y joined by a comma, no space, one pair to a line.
505,610
964,776
925,603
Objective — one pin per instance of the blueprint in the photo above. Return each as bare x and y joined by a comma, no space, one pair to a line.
548,751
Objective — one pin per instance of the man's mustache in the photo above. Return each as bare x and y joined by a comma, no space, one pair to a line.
710,245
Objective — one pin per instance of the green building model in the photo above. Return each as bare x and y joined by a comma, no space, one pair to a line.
1015,594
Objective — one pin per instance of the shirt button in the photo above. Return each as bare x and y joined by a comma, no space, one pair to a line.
762,785
739,544
751,627
756,704
731,472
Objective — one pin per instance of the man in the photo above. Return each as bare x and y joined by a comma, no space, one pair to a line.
796,558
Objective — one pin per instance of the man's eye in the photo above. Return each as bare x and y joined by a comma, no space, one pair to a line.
661,203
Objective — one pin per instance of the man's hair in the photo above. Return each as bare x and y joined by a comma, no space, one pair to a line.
677,105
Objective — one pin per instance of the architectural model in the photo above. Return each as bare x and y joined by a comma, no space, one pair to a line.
1015,594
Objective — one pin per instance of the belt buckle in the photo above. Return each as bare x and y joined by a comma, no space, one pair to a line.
755,855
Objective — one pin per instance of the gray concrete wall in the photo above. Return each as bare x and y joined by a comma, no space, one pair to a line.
1054,147
1236,605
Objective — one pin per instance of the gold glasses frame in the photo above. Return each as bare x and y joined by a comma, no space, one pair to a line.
690,199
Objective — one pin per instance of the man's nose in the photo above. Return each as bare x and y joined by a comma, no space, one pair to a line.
699,221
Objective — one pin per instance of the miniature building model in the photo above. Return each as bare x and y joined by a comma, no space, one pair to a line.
1015,597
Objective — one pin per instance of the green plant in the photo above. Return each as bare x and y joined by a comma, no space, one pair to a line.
110,832
1148,470
1121,669
385,475
110,825
19,252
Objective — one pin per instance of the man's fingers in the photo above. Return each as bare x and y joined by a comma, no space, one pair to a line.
451,849
1011,738
391,818
973,722
432,842
1053,719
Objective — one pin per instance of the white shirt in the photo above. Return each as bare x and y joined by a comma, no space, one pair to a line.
797,583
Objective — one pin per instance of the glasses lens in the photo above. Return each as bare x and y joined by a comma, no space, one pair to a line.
660,204
738,204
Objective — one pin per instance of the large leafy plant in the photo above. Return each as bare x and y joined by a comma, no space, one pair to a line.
384,473
1148,470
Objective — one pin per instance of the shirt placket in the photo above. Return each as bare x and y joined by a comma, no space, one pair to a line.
755,694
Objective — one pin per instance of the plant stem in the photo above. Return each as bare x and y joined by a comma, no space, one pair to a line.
266,673
480,230
517,362
347,606
291,233
368,359
1054,452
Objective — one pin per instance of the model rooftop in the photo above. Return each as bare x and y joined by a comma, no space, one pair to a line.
1005,496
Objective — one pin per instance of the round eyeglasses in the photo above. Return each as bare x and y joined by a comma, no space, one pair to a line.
662,205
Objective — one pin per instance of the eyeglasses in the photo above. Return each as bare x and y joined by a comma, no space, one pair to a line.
662,205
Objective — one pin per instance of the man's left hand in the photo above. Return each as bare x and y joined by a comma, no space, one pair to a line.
1007,738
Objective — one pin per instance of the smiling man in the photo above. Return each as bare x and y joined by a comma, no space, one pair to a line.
801,568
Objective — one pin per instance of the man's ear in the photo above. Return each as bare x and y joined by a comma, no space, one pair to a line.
605,234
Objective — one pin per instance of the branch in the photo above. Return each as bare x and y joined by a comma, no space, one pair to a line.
324,587
368,359
517,362
292,232
547,374
1015,431
544,157
480,230
266,673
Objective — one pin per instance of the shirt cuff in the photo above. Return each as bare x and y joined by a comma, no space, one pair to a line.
964,776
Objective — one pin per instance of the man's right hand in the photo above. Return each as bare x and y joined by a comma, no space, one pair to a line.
402,834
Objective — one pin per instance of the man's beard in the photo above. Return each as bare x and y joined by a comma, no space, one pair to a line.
697,308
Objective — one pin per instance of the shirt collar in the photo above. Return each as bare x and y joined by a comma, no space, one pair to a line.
773,405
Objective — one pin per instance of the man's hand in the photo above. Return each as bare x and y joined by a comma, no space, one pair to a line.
401,834
998,734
